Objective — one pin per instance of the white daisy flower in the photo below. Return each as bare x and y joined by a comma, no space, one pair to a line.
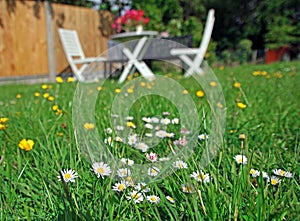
280,172
153,199
170,135
127,161
119,127
119,139
152,157
135,196
254,173
165,121
161,133
67,175
147,119
148,126
123,172
187,188
179,164
132,139
154,120
153,171
115,115
119,187
142,147
265,175
203,137
201,177
164,159
175,121
129,118
171,200
148,135
108,130
182,141
142,187
275,180
109,141
241,159
101,169
165,113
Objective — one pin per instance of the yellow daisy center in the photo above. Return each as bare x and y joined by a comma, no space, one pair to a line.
274,182
152,198
100,170
121,186
68,176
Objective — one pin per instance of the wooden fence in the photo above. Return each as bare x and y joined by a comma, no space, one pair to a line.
29,40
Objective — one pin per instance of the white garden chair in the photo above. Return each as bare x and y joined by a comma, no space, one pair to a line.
74,53
198,53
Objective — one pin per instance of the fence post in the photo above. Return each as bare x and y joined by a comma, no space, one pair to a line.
50,38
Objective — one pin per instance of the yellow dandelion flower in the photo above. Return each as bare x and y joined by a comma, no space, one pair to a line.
237,84
89,126
3,120
130,124
37,94
50,98
241,105
185,92
136,74
99,88
143,84
55,107
26,144
46,95
221,68
18,96
58,112
264,73
213,83
232,131
2,126
70,79
130,90
117,90
60,134
200,93
44,86
219,105
129,77
59,80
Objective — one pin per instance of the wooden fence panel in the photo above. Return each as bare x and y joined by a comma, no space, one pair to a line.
23,35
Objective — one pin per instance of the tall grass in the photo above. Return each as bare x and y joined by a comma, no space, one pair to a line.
30,189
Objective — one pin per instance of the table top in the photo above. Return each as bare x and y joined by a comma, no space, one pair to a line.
127,36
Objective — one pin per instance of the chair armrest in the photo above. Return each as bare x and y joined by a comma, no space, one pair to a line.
89,60
186,51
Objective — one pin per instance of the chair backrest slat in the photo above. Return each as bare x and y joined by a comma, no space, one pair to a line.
71,43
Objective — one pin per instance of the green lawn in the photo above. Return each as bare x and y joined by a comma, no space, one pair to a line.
72,127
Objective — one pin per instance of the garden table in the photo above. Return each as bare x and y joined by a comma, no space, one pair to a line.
135,57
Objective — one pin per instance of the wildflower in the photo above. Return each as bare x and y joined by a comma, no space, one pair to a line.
127,161
203,137
241,105
51,98
265,175
146,119
119,187
109,141
153,171
152,157
99,88
200,93
108,130
170,135
185,91
37,94
3,120
254,173
70,79
179,164
181,142
149,126
119,139
275,180
242,136
142,147
201,177
132,139
175,121
26,144
153,199
46,95
187,188
143,84
123,172
165,121
213,83
59,80
117,90
166,113
135,196
129,118
280,172
184,131
148,134
142,187
241,159
154,120
67,175
18,96
161,133
130,124
171,200
89,126
2,126
162,159
119,127
44,86
55,107
101,169
130,90
237,84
